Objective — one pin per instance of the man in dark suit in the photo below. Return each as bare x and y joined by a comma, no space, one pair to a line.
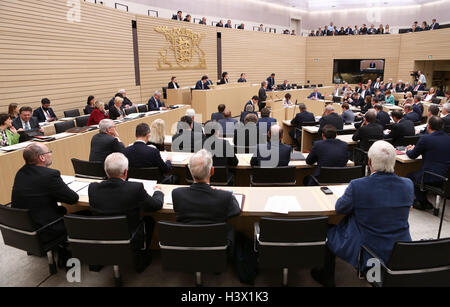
315,95
228,25
116,196
402,127
192,205
218,115
363,30
252,102
434,25
242,79
187,139
241,27
202,84
219,24
348,116
45,113
26,125
228,123
187,18
141,155
435,151
246,135
302,117
178,16
400,87
274,153
419,87
331,118
105,142
348,31
271,82
369,130
221,150
265,122
39,188
330,152
203,21
173,83
410,114
377,211
285,86
446,116
155,103
126,102
262,95
383,117
372,30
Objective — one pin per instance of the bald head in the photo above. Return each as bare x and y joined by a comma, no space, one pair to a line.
37,154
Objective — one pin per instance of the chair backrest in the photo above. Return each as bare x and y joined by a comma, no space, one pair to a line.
193,248
87,169
130,110
72,113
164,90
337,175
221,176
408,140
421,263
82,120
145,173
99,240
279,176
285,243
64,126
142,108
19,231
345,132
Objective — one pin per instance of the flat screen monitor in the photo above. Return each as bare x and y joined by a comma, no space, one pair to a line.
356,71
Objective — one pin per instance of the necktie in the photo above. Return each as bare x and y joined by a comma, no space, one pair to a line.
27,126
416,89
157,105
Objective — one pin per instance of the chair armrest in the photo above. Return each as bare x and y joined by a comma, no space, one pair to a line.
256,239
445,179
137,229
50,224
362,249
315,180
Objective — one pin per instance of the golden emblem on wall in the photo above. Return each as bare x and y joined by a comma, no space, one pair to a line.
183,50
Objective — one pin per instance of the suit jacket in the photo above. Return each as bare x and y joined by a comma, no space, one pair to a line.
102,145
34,123
241,80
366,107
96,117
141,155
415,89
389,86
413,116
201,86
114,113
217,116
301,118
348,116
363,30
262,95
285,87
408,89
175,17
372,31
114,197
383,118
228,26
126,102
434,26
223,81
266,122
328,153
200,204
446,120
418,108
348,31
338,92
228,125
318,95
372,131
271,84
403,128
435,151
154,105
171,86
399,88
332,119
221,150
280,153
247,135
376,217
187,141
39,189
39,114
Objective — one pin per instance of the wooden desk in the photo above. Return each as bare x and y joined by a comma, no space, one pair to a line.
299,94
405,166
77,146
390,107
178,96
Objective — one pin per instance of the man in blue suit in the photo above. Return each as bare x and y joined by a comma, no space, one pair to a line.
302,117
218,115
155,103
435,151
377,211
274,153
202,84
329,152
228,124
410,114
265,122
271,82
315,95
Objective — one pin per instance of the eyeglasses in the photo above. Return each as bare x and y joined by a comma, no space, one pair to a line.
48,152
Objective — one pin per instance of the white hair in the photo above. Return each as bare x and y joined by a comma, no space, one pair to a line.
105,124
275,130
446,107
116,164
190,112
382,156
157,93
200,165
121,91
329,108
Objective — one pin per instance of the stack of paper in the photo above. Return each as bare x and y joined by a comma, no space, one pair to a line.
240,199
282,204
15,147
177,158
77,186
62,135
67,179
338,190
149,185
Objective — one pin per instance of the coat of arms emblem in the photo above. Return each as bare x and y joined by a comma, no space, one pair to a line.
183,47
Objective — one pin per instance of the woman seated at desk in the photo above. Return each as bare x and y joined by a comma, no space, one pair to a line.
389,98
287,100
89,105
98,114
430,96
8,134
13,110
157,134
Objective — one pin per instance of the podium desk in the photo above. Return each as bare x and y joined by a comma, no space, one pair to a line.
178,96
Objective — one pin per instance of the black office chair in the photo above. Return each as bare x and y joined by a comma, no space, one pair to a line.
313,85
142,108
193,248
82,121
345,132
89,170
299,87
145,173
306,86
320,85
64,126
414,264
338,175
298,131
164,90
19,231
72,113
360,156
291,243
222,176
130,110
278,176
442,192
101,241
408,140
